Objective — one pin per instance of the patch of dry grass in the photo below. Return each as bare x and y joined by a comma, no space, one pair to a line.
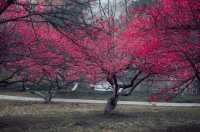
17,93
38,117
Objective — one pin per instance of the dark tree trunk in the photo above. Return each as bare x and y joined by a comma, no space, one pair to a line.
112,101
111,105
49,96
48,99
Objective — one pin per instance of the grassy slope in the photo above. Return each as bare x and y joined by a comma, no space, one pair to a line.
37,117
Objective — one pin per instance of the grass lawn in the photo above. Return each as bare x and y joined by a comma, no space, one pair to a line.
38,117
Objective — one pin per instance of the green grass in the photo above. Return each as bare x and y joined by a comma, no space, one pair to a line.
38,117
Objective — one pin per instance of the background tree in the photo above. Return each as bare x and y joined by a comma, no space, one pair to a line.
172,29
24,23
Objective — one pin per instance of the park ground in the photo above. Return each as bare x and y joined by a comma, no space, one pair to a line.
71,117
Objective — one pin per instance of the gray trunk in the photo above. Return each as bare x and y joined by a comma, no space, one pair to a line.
112,101
111,105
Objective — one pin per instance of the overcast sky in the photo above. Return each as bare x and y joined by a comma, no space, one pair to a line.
119,6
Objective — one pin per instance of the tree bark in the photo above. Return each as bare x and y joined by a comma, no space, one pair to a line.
49,96
112,101
111,105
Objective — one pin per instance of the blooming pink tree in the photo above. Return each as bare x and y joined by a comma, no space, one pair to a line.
29,29
161,39
167,36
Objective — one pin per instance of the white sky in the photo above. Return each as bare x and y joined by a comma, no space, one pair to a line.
119,6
